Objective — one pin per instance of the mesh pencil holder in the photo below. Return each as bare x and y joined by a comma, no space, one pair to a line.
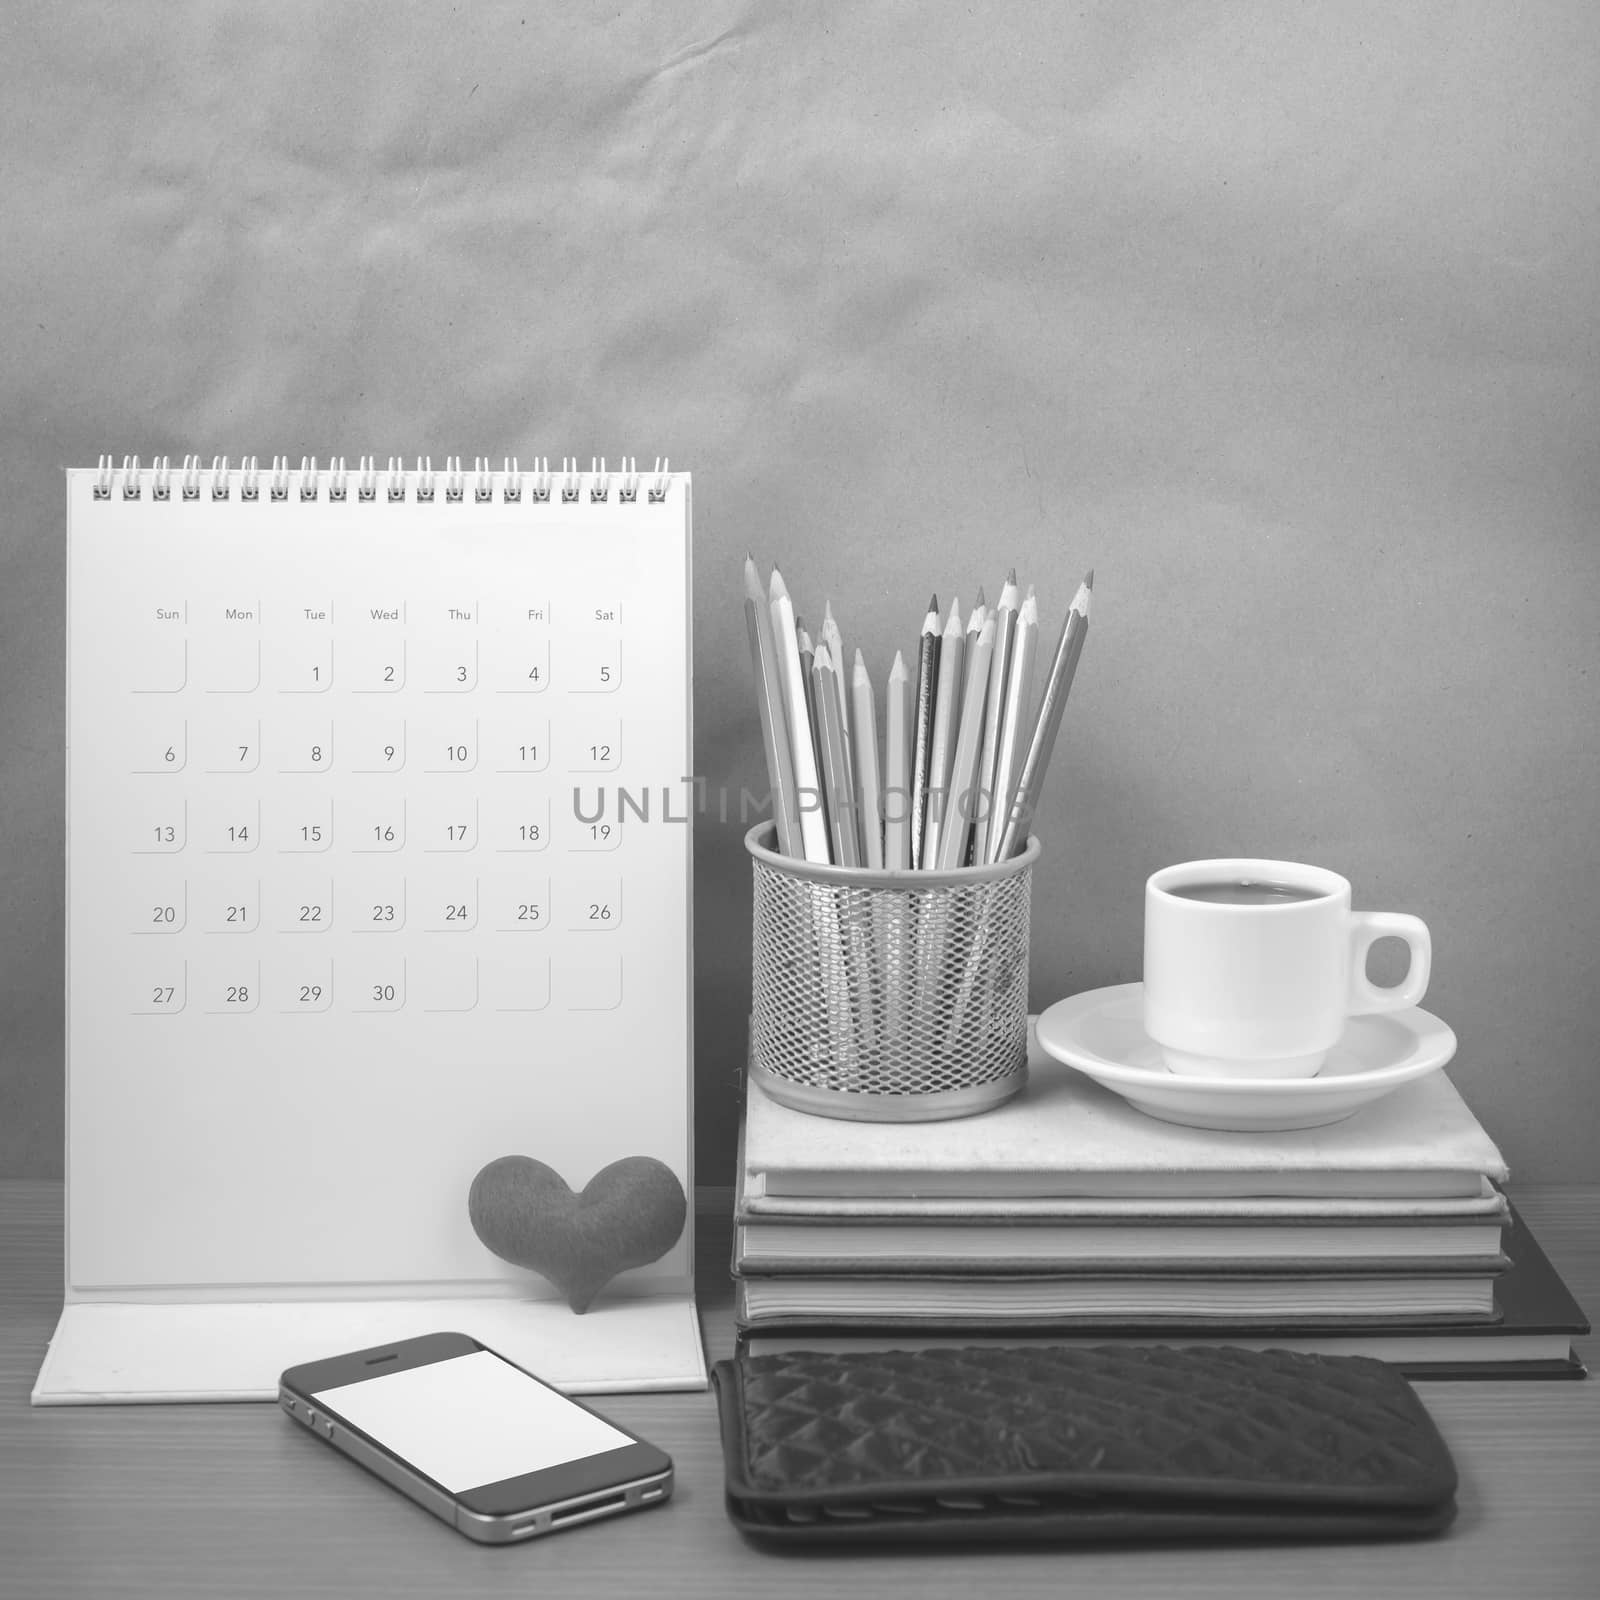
889,996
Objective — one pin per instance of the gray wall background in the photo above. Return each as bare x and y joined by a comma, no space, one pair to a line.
1281,316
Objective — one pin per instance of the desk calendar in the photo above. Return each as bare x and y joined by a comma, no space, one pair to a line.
356,905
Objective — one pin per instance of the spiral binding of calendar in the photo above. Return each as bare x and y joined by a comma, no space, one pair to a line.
455,485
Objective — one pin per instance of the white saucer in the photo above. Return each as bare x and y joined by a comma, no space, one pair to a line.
1101,1033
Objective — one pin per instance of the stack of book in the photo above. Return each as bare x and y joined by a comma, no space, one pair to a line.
1067,1216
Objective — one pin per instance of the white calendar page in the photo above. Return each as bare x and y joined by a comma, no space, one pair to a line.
336,935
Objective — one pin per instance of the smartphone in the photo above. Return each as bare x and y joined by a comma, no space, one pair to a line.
482,1444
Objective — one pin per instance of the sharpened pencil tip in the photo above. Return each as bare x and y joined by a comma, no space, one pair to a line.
1088,582
776,586
980,600
933,604
1011,576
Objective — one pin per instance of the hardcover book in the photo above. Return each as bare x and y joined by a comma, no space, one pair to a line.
1066,1136
1530,1334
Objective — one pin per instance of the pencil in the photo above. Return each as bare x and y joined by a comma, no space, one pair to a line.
1014,725
898,737
946,717
961,805
975,621
898,922
829,635
808,659
927,693
774,720
841,826
864,728
808,791
1057,687
841,677
1005,619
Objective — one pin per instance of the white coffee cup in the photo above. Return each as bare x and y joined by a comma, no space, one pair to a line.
1262,990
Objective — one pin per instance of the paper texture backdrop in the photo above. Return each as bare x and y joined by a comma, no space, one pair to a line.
1280,317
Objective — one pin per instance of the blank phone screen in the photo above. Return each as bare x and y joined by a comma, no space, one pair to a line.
471,1420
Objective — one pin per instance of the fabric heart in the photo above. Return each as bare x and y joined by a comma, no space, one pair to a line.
628,1215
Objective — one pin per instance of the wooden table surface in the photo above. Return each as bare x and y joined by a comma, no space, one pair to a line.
228,1500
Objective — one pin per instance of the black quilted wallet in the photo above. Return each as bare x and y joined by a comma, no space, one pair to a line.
1078,1444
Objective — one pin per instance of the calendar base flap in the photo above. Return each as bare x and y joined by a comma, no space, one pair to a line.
120,1352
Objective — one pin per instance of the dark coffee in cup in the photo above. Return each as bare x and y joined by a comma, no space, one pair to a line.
1245,892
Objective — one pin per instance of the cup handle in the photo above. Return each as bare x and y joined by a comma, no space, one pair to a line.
1366,927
